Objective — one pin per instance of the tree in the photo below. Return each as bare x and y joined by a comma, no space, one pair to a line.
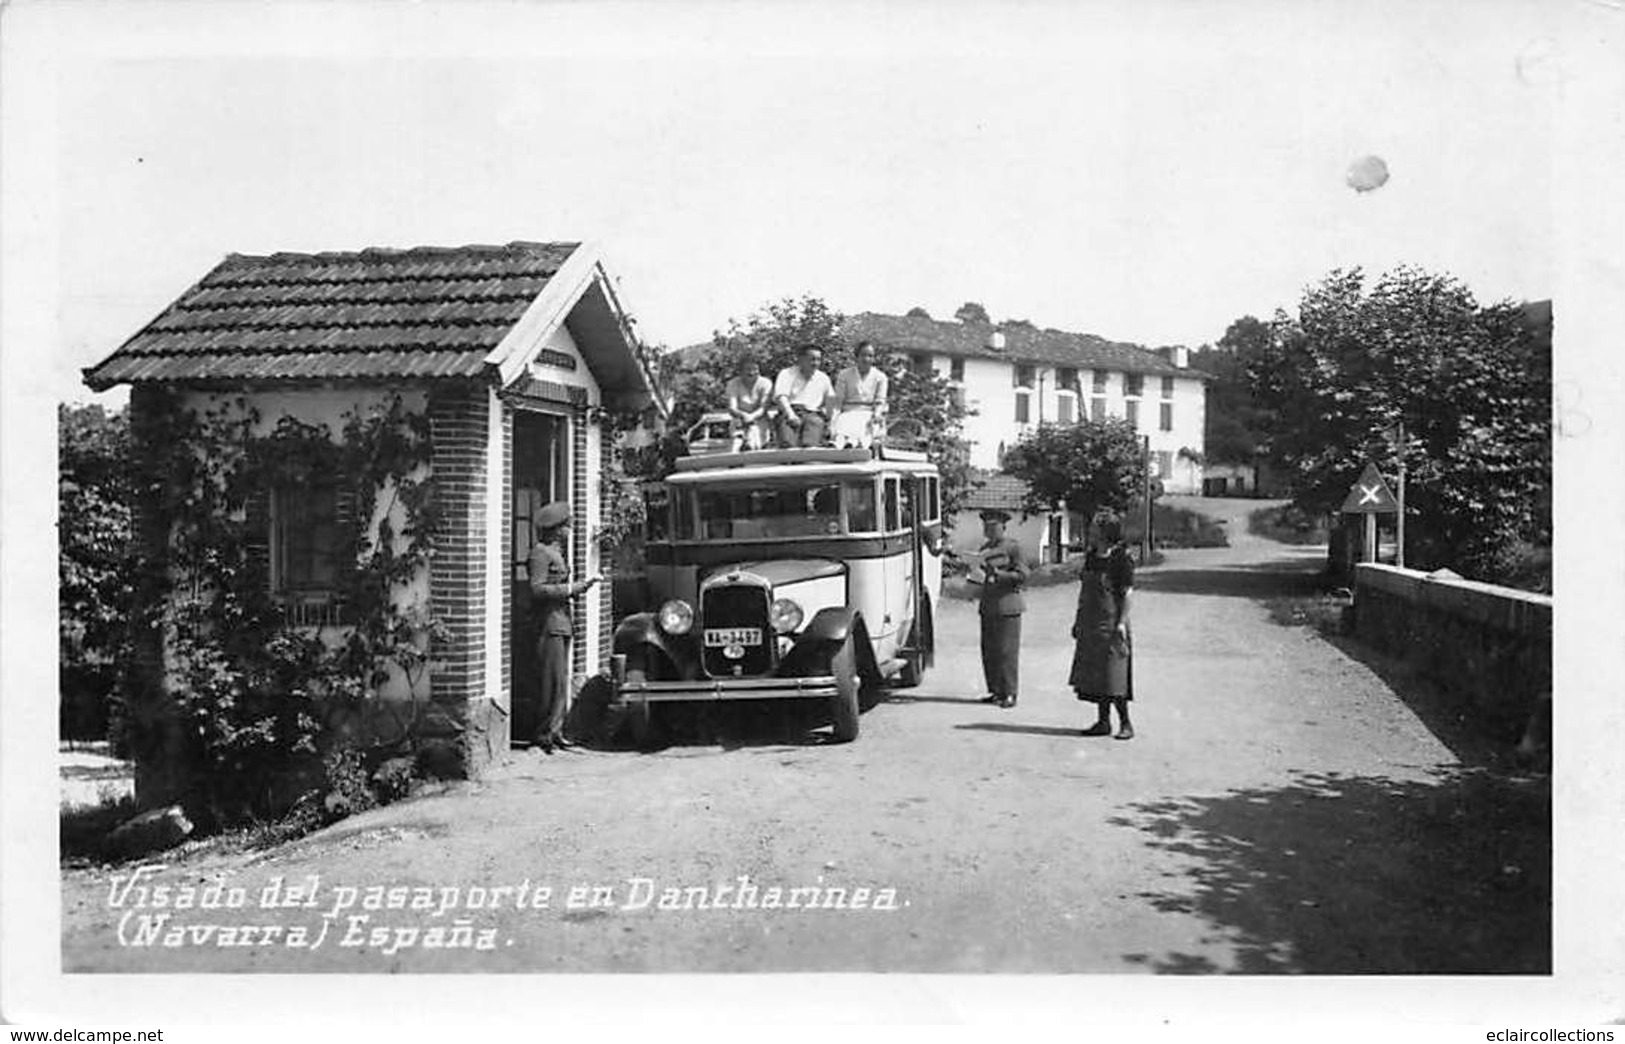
972,312
1085,466
917,313
1237,426
94,562
1470,384
772,335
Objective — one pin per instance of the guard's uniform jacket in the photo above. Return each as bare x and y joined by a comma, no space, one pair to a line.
1001,605
550,590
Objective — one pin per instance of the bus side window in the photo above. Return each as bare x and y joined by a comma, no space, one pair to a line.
906,488
860,507
891,504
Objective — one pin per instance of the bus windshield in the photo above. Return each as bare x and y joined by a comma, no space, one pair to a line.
766,512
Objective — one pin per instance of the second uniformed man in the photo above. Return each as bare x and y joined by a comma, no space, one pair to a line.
1003,575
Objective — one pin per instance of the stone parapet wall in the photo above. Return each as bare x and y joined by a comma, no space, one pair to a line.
1489,646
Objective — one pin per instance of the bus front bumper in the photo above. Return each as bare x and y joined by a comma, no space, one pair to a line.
727,689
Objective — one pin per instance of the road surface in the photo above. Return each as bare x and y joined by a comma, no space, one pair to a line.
1283,809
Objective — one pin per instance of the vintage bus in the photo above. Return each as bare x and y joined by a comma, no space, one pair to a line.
809,574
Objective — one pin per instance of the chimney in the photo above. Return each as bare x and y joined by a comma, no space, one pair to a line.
995,341
1177,355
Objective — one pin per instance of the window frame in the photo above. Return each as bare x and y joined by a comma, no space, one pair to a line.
1024,406
1165,416
280,525
1131,412
1167,387
1133,385
1098,381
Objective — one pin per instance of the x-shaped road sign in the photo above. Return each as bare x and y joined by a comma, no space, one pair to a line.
1370,495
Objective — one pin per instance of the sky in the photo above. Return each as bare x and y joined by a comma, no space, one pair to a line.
1147,172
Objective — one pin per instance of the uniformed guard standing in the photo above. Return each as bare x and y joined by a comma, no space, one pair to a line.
551,591
1003,574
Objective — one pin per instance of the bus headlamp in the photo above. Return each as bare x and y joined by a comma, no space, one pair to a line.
676,617
785,615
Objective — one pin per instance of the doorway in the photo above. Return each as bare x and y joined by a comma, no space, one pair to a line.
541,475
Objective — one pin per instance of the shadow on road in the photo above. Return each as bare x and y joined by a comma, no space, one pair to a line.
1255,580
1350,875
1030,730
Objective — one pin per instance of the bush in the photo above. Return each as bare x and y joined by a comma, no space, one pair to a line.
1175,527
1288,524
1523,565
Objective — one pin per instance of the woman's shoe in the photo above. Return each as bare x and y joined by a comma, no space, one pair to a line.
1126,732
1007,702
1099,728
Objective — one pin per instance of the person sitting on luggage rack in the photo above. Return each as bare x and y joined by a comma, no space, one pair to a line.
860,400
803,392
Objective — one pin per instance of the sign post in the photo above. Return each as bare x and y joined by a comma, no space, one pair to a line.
1370,496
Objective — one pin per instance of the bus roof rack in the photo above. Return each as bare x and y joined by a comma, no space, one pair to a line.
800,455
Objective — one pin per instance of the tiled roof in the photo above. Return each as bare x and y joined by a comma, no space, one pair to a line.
423,312
996,490
1024,344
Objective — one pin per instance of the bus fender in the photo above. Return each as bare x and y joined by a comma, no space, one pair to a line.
830,624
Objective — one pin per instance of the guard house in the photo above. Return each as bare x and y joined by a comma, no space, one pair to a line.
510,354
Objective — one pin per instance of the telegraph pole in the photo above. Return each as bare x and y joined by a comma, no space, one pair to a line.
1145,475
1399,550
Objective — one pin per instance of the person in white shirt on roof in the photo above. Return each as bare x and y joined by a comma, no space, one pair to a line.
860,400
803,392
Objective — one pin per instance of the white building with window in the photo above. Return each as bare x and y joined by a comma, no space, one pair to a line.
1015,377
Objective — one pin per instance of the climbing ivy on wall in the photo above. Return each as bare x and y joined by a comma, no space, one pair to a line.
270,708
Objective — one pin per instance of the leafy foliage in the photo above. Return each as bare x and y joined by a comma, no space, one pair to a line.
257,692
696,385
1238,427
972,312
94,558
1087,466
1471,385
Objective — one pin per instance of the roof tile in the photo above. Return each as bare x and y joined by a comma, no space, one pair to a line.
427,311
1023,344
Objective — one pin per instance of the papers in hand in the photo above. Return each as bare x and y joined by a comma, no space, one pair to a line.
977,561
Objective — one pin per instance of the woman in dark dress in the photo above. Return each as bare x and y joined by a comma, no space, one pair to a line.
1103,660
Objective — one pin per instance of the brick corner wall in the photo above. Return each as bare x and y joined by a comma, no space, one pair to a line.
461,730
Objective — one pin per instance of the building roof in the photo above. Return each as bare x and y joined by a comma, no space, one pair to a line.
1022,344
422,312
995,490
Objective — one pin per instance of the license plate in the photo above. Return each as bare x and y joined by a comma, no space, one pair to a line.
721,636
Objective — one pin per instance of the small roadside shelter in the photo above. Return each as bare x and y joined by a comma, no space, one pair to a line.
506,361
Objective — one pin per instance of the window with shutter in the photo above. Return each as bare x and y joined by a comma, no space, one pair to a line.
1131,413
1022,410
1063,408
1167,416
308,527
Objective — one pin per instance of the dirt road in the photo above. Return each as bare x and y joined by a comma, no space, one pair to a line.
1282,809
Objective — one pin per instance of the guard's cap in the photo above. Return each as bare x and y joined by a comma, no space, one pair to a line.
553,515
995,515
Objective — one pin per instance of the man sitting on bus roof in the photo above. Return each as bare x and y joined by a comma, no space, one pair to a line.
803,391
